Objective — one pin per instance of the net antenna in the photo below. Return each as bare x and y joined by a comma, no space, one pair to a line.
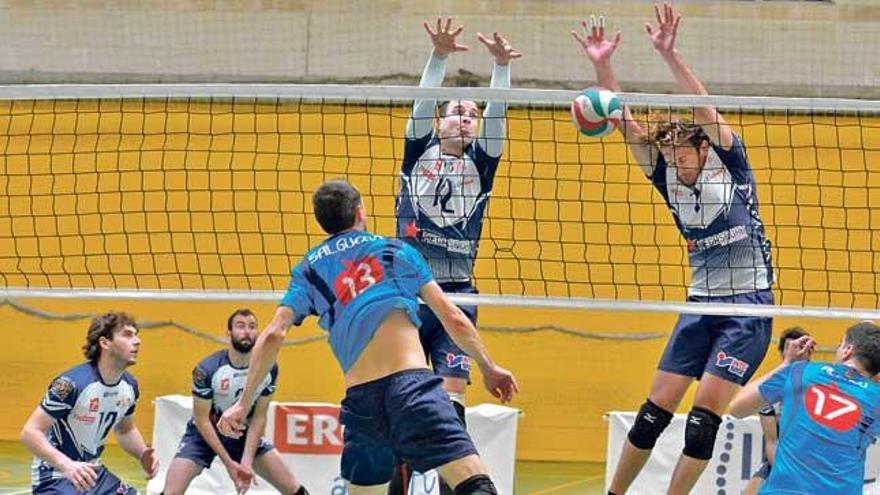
201,192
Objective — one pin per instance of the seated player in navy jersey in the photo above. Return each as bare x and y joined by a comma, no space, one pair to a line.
66,433
447,175
830,414
217,381
702,172
364,289
770,415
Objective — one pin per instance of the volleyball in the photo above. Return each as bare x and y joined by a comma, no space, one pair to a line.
596,112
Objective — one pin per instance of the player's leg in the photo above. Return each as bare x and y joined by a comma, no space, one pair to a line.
738,350
683,360
757,480
192,457
468,475
454,366
270,466
181,473
713,396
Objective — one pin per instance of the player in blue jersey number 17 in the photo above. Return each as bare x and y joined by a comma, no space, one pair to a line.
830,414
365,290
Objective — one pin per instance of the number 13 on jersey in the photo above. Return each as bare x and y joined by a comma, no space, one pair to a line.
358,276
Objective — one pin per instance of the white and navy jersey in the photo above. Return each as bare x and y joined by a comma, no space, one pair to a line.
442,204
217,380
718,217
443,199
85,409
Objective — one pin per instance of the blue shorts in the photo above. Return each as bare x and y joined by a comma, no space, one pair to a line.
405,416
107,484
195,448
446,357
730,347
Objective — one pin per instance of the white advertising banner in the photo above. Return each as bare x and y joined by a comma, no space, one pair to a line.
309,438
738,454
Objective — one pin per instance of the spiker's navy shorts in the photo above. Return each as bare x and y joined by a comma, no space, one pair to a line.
405,416
446,357
730,347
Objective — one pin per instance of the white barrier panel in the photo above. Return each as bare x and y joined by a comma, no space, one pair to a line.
738,453
309,438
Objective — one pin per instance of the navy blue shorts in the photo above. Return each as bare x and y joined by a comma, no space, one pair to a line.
107,484
405,416
446,357
195,448
730,347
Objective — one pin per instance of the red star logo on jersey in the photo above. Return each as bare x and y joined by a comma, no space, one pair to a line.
411,230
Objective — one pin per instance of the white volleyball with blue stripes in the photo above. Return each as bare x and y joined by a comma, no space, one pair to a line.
596,112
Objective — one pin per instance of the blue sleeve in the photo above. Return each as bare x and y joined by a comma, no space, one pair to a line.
412,267
299,295
773,389
201,378
61,397
137,395
735,160
273,380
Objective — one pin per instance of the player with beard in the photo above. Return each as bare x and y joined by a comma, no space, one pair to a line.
218,380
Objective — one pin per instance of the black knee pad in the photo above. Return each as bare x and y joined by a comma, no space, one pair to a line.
699,433
479,484
649,424
460,411
302,491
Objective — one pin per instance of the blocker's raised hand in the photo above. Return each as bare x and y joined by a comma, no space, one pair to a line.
597,48
499,47
443,38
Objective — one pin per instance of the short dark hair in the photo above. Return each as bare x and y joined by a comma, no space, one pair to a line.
104,326
336,203
792,333
865,339
239,312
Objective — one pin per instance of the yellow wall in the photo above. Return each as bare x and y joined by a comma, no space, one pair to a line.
184,196
567,383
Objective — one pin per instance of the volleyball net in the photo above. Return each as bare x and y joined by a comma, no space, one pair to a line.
203,191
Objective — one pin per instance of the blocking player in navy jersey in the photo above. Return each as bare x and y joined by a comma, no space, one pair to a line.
449,164
217,382
67,432
364,289
830,414
702,172
448,171
769,416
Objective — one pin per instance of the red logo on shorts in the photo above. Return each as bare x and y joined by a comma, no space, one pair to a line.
735,366
830,407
